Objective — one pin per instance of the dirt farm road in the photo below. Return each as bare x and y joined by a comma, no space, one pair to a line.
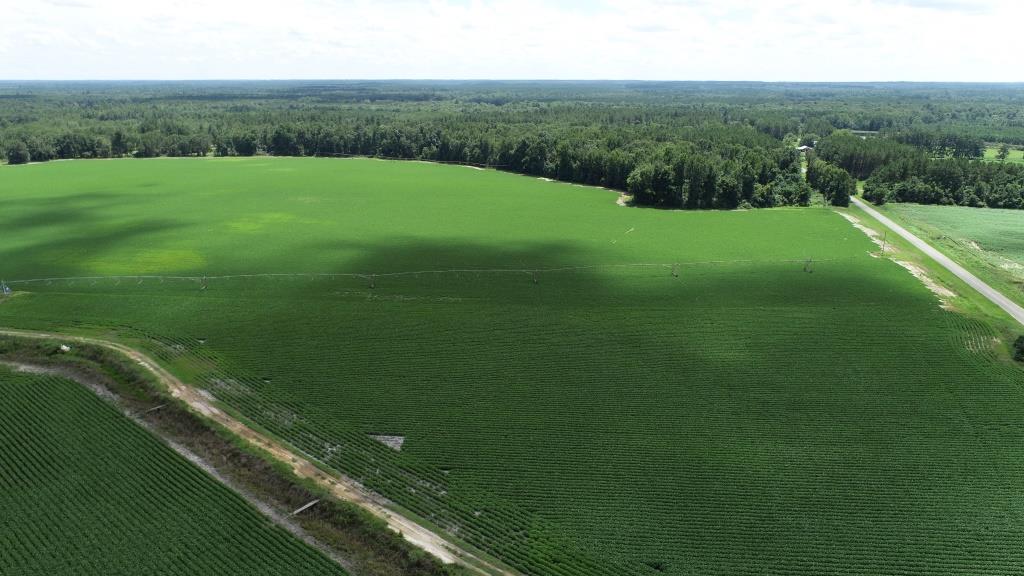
995,296
340,486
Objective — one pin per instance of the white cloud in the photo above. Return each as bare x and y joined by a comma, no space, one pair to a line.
637,39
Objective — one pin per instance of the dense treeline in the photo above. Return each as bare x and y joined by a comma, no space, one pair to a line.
941,143
686,177
948,181
898,172
682,145
713,154
834,183
711,161
862,156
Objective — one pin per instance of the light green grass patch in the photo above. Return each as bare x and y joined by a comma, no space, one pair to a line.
259,222
145,262
1016,155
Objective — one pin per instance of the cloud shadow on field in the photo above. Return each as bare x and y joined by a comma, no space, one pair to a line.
71,255
489,361
569,275
597,346
412,253
67,233
23,214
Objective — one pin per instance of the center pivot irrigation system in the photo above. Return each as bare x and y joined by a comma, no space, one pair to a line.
371,278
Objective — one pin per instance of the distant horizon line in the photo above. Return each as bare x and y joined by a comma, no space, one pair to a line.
497,80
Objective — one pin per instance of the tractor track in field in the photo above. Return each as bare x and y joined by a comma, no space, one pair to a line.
338,485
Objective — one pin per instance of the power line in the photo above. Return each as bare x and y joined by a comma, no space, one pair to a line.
371,277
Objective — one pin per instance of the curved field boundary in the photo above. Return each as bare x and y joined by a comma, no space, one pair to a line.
338,485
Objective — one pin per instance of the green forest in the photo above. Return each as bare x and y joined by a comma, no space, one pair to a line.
695,145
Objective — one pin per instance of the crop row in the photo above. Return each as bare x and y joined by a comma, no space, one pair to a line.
536,442
801,424
86,491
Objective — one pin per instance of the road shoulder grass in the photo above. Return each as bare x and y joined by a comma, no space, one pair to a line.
965,300
964,250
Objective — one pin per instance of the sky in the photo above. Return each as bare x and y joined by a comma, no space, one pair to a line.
768,40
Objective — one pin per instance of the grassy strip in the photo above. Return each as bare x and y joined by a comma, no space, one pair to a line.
364,540
967,301
955,246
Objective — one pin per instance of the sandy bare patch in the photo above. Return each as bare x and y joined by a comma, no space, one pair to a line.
64,372
624,200
545,179
473,167
1014,268
941,291
228,386
393,442
871,233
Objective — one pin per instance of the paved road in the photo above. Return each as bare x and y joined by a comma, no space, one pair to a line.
987,291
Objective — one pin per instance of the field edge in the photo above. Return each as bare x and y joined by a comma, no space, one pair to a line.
359,541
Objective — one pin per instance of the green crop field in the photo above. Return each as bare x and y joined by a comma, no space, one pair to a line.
86,491
1016,155
581,388
988,241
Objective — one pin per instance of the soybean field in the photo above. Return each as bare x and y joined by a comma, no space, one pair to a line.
84,490
573,386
